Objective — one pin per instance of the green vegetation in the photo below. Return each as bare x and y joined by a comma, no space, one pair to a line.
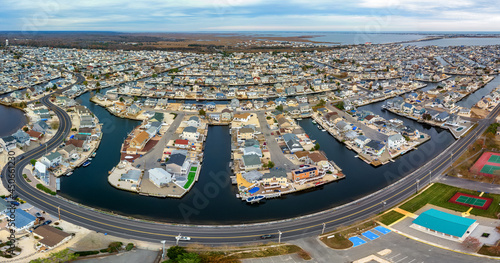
178,254
340,105
390,217
194,168
338,241
54,125
279,108
57,257
316,146
174,70
269,165
202,112
493,128
86,253
340,237
321,103
129,246
439,194
190,180
33,162
45,189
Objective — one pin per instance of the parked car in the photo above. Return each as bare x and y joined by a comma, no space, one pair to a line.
47,222
15,203
37,214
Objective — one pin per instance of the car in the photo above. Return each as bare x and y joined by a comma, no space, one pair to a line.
159,160
47,222
266,236
163,164
37,214
138,166
15,203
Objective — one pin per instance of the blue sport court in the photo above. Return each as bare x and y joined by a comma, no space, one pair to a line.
382,230
370,235
356,241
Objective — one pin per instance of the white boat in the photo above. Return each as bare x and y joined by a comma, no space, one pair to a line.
129,157
70,173
255,198
93,155
319,127
323,130
90,159
313,121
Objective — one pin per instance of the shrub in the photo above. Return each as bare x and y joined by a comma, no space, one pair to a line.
45,189
129,246
86,253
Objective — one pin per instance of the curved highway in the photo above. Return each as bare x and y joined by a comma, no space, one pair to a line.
235,234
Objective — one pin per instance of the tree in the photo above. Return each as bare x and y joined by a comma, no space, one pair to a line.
135,98
121,99
340,105
33,162
85,83
188,258
202,112
98,84
279,108
25,129
175,251
316,146
55,125
471,243
270,165
426,116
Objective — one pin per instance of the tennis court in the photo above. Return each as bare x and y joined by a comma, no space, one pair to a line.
471,200
494,159
489,169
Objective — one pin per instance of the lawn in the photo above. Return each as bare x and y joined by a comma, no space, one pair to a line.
337,242
390,217
439,194
194,168
190,180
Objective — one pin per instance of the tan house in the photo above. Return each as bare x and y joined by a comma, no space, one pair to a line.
140,140
50,237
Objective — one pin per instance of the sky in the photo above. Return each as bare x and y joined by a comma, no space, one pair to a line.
249,15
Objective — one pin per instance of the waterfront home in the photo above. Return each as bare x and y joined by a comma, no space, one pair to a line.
22,138
318,159
190,133
226,115
252,176
8,143
178,164
131,176
87,121
442,117
292,142
374,148
50,237
361,141
157,117
395,141
275,178
40,126
41,172
305,173
252,150
193,121
235,103
52,159
245,133
283,121
159,177
133,109
251,162
43,114
34,135
181,144
154,128
140,140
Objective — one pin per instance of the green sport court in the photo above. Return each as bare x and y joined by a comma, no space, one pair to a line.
471,200
494,159
489,169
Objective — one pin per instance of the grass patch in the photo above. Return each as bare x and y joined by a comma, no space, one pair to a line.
194,168
439,194
270,252
45,189
337,242
190,180
390,217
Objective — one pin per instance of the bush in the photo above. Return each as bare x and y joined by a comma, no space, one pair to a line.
129,246
86,253
114,247
45,189
175,251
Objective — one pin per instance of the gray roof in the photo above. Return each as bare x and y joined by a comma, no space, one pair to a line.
276,172
133,175
252,176
52,156
190,129
176,158
250,160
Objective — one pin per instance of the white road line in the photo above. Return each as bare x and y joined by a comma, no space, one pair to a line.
394,256
401,259
412,260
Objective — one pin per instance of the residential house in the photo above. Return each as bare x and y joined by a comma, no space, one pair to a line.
140,140
395,141
251,162
131,176
182,144
194,121
22,220
159,177
241,117
190,133
40,126
305,173
50,237
292,142
178,164
8,143
52,159
275,178
22,138
374,148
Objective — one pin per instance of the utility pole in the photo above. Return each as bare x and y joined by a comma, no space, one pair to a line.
430,177
177,238
279,237
163,251
59,212
418,181
323,231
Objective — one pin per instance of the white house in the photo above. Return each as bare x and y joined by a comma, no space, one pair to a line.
190,133
194,121
395,141
159,177
52,159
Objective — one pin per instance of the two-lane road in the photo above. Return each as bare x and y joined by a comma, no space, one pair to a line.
290,229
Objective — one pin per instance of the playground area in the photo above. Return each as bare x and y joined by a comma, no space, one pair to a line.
471,200
487,164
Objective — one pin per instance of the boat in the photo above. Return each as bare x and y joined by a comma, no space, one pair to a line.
93,154
254,199
70,173
319,127
90,159
129,157
323,130
299,119
85,164
313,121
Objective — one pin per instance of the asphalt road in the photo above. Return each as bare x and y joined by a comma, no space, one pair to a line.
241,234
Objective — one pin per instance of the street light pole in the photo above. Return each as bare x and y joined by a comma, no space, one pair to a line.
163,251
323,231
430,177
177,238
279,237
59,212
418,181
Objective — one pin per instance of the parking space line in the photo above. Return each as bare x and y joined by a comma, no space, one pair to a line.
401,259
394,256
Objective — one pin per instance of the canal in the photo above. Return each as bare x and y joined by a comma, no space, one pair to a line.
212,199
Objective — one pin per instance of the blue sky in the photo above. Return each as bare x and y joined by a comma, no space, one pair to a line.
250,15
